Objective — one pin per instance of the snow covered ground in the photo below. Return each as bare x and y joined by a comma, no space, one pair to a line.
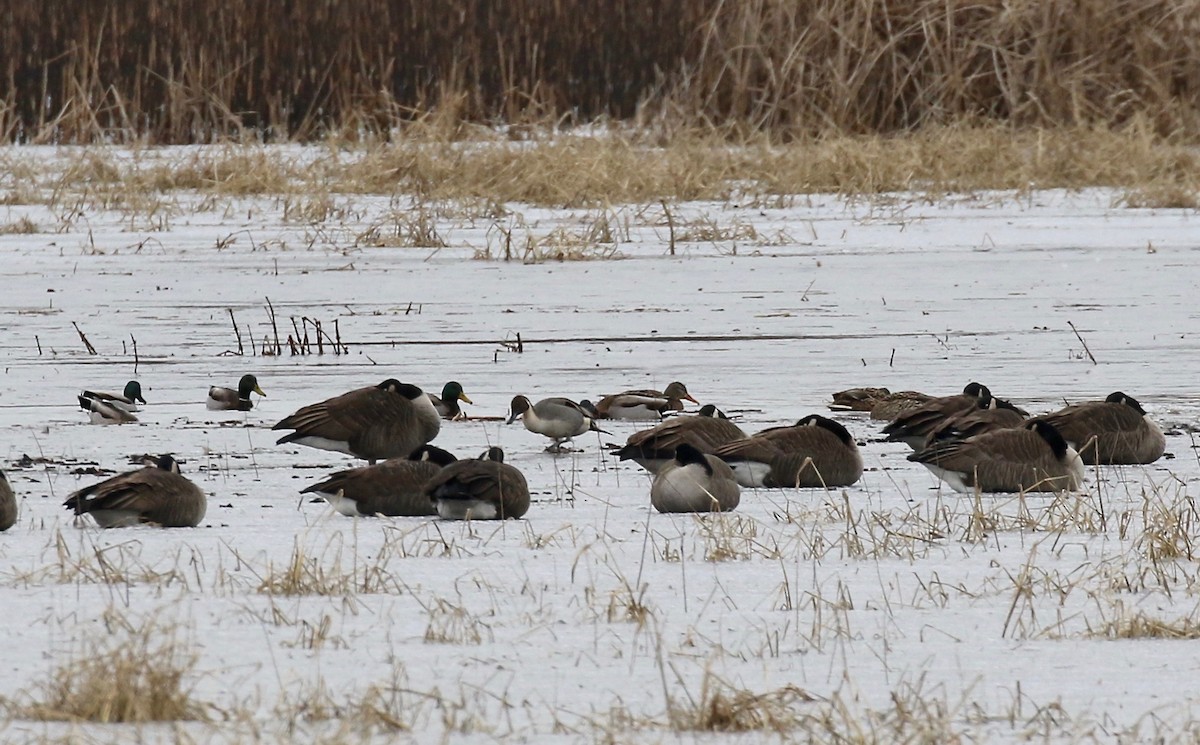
890,610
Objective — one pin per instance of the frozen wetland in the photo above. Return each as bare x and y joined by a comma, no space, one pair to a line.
894,610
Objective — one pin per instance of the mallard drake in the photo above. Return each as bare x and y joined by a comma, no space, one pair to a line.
1114,431
560,419
483,489
8,504
394,488
815,452
228,399
1033,457
641,405
654,447
693,481
913,427
389,420
156,494
102,412
126,401
447,405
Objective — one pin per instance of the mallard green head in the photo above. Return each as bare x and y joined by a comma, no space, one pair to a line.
133,391
247,385
452,391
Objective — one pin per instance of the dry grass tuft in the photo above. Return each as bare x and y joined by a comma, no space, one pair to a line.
721,707
138,675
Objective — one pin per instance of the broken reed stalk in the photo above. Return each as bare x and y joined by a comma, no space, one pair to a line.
274,328
294,339
84,339
136,361
39,344
240,350
670,227
1084,343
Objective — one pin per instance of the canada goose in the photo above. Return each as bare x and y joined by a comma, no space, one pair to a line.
560,419
227,399
8,504
641,405
654,447
102,412
914,426
394,487
815,452
127,400
483,489
447,404
154,494
1002,415
693,481
1033,457
389,420
1114,431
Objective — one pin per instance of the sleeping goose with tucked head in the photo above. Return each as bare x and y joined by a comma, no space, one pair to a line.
560,419
231,399
482,489
991,415
395,487
641,405
815,452
156,494
1115,431
1033,457
693,481
915,425
654,447
389,420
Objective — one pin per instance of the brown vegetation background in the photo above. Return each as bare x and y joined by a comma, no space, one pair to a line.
180,71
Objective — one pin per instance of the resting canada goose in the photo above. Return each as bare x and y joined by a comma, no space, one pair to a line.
389,420
394,487
1114,431
127,400
154,494
8,504
914,426
447,405
483,489
641,405
693,481
560,419
102,412
1033,457
654,447
1002,415
815,452
228,399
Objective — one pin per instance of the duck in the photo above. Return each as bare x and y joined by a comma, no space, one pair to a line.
642,405
1115,431
8,504
558,418
394,488
228,399
157,493
389,420
653,448
1030,458
483,489
447,404
693,481
815,452
1001,415
127,400
914,426
102,412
